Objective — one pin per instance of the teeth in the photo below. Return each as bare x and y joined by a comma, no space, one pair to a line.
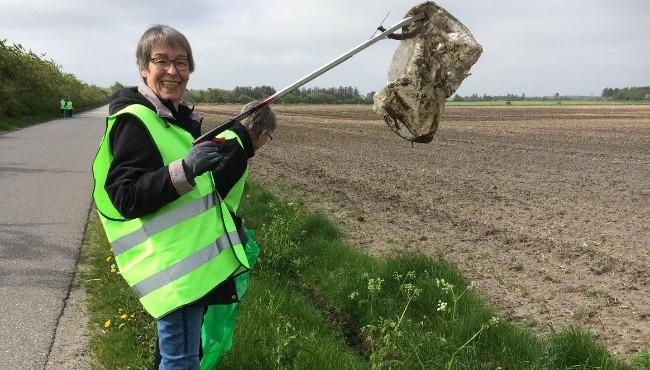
170,84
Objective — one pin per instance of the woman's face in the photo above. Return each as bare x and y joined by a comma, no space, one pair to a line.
167,72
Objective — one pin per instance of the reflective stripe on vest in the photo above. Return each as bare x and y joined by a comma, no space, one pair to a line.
176,255
162,222
187,265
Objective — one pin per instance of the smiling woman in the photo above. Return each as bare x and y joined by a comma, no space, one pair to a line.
169,208
146,168
165,61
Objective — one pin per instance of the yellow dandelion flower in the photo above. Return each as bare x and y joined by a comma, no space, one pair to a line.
107,324
123,317
113,270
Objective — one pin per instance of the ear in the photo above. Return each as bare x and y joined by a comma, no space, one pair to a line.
144,72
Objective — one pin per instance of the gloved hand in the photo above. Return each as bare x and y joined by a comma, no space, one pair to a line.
201,158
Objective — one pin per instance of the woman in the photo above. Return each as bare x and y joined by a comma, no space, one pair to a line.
168,208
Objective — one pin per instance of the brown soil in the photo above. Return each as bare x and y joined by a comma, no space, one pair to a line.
547,208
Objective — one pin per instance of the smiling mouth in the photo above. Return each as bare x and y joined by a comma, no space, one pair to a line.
170,84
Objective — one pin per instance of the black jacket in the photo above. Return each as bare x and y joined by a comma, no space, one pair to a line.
139,183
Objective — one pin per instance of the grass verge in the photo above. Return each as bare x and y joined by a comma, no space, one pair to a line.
9,124
122,335
315,302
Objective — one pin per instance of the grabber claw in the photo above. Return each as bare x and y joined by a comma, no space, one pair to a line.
404,35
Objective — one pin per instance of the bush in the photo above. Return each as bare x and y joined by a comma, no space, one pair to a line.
319,98
32,85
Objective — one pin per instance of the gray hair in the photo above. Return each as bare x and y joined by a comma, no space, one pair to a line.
161,34
262,119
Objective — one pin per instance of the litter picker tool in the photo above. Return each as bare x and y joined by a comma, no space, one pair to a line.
384,34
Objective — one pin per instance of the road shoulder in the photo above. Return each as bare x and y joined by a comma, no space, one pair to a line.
70,349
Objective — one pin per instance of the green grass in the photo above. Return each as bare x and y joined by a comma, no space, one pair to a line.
527,103
641,360
315,302
8,124
279,329
109,298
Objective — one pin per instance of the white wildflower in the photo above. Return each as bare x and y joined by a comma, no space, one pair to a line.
374,285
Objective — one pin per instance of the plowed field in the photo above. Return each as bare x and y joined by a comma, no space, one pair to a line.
547,208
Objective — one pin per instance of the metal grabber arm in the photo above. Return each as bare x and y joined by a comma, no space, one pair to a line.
230,122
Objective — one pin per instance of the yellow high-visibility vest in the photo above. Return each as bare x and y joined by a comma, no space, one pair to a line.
176,255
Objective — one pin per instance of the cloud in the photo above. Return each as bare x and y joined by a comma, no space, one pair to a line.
577,47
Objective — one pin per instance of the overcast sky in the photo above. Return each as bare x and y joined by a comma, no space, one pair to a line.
574,47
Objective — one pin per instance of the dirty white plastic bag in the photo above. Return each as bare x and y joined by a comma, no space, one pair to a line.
427,68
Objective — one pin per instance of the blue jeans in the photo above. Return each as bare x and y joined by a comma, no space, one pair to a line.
179,338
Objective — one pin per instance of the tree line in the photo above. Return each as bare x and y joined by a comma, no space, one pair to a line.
485,97
311,95
627,93
33,85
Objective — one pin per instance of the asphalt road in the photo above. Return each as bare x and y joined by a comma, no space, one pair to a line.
45,195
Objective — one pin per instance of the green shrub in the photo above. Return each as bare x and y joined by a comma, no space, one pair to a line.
32,85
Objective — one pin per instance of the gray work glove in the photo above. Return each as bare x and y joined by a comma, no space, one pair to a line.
201,158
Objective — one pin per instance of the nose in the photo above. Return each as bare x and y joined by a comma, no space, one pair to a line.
173,68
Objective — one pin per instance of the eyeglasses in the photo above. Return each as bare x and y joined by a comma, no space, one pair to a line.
181,65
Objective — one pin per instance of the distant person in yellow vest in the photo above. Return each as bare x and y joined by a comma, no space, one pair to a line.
68,108
169,207
62,107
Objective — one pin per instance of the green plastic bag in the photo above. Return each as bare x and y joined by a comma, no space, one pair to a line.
219,320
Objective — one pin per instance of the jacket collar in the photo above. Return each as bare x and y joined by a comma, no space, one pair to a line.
161,110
